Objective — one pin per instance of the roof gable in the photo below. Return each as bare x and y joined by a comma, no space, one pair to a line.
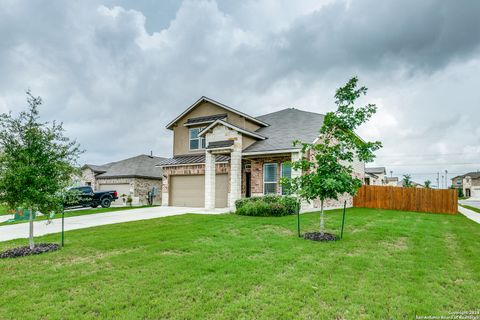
233,127
221,105
141,166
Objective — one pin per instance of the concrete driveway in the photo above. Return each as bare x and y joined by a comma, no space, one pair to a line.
41,228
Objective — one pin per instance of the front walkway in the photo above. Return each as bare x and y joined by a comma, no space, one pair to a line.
472,215
20,230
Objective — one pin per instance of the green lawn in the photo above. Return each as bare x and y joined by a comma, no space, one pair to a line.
389,265
78,213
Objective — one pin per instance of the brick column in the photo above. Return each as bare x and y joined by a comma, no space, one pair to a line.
209,180
235,178
295,157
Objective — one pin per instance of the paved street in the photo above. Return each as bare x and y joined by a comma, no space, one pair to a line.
20,230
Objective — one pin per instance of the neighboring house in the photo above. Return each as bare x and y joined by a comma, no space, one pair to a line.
134,176
376,176
415,184
221,154
469,183
392,181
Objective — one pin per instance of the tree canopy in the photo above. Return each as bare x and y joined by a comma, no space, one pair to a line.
327,163
37,160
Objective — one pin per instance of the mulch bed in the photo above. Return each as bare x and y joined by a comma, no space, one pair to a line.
25,251
317,236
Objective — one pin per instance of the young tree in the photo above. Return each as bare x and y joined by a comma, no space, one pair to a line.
37,162
427,184
327,164
407,181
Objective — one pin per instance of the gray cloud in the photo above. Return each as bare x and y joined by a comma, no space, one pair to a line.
116,71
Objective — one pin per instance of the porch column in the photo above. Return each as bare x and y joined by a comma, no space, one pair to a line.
235,178
209,181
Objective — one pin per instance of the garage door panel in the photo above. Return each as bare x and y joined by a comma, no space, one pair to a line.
187,191
121,188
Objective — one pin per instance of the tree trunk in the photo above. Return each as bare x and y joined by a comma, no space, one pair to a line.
322,228
30,238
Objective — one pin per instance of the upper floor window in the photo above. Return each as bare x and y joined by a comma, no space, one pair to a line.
196,142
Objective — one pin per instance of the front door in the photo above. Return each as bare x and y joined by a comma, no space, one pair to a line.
247,184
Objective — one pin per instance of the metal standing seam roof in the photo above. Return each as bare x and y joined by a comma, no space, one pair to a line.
190,159
220,144
142,166
206,118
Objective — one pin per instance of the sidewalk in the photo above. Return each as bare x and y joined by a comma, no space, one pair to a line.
20,230
472,215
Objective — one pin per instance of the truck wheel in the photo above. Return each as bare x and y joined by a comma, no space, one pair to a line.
106,202
94,205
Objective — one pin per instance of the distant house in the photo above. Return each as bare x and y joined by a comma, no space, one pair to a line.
469,183
375,176
133,176
401,183
392,181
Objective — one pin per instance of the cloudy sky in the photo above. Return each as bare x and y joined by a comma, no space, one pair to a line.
117,71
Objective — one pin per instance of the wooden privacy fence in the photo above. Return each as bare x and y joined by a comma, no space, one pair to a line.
407,199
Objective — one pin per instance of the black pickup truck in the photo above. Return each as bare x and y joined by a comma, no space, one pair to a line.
88,198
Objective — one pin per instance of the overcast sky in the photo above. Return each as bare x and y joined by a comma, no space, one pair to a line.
117,71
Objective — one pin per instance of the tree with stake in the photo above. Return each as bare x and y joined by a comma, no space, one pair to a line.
37,162
326,165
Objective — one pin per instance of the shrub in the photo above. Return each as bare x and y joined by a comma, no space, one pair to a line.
269,205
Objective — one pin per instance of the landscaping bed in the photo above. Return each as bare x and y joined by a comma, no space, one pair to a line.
319,236
26,251
267,206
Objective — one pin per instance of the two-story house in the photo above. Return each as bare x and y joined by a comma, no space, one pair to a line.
221,154
469,183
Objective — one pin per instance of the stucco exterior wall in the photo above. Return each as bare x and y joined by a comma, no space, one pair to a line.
180,132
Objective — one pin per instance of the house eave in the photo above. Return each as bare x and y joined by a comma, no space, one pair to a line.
279,151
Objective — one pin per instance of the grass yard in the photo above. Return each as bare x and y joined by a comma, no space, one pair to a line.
74,213
389,265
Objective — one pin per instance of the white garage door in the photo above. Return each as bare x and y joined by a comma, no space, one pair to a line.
475,192
189,191
121,188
